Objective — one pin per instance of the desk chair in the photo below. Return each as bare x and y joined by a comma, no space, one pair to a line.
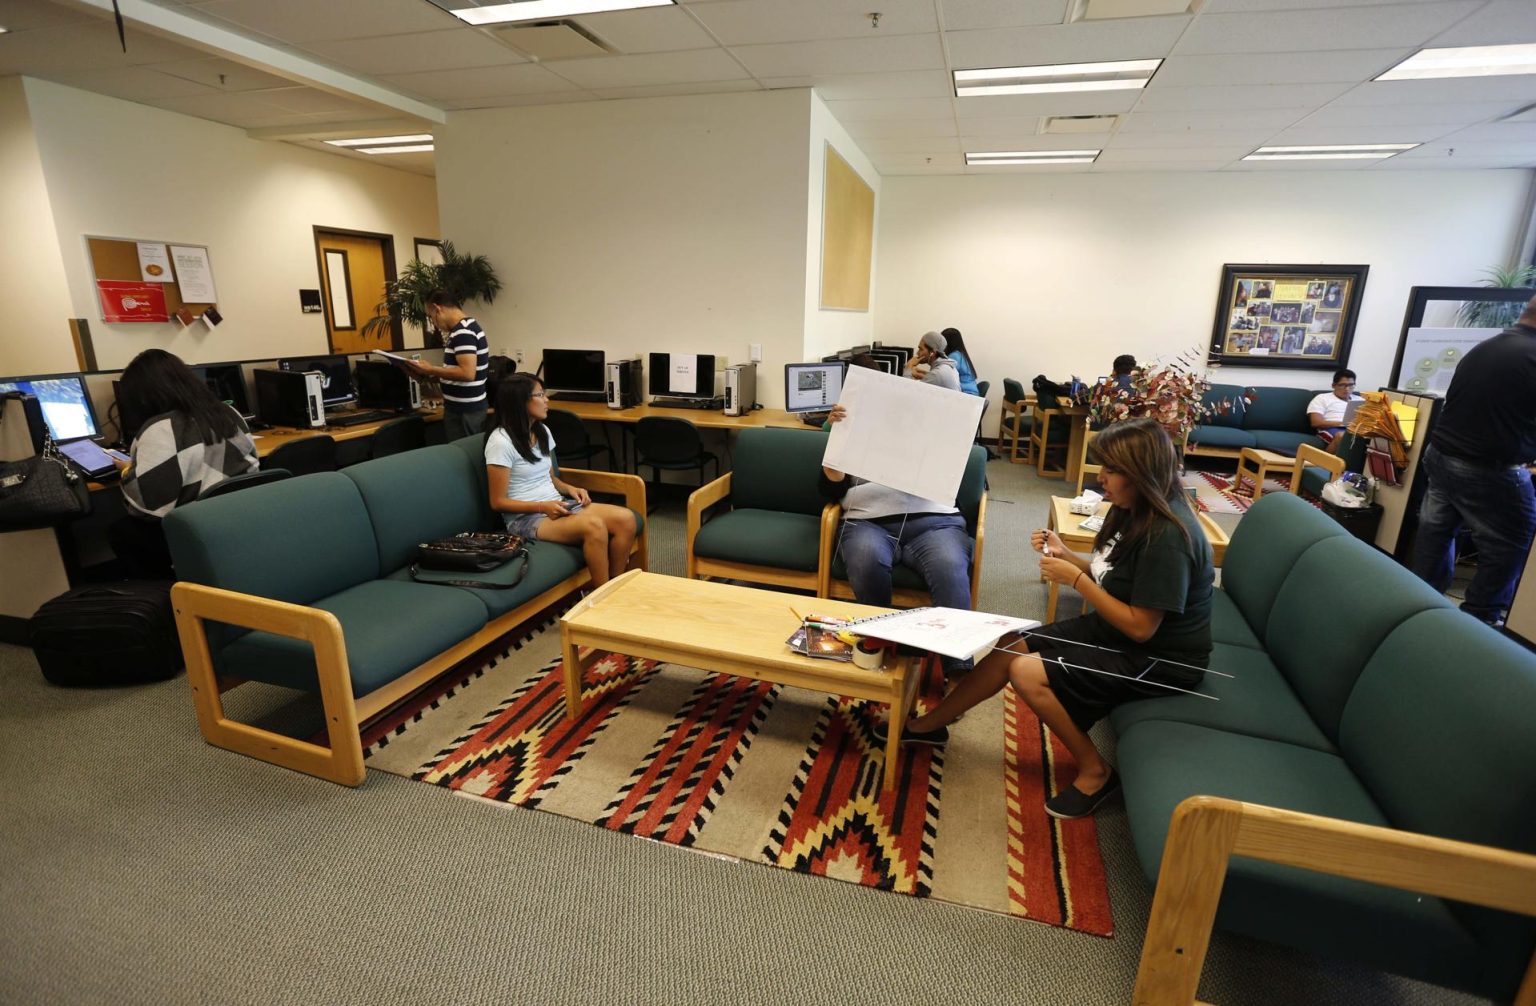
1048,445
1015,410
571,441
235,483
982,387
305,456
662,442
397,436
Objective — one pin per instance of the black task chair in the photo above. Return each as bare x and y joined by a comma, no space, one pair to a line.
982,387
249,480
305,456
572,444
662,442
398,435
1014,423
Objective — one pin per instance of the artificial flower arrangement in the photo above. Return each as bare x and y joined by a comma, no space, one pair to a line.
1172,393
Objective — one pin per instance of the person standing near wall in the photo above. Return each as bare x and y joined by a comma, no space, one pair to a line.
1477,465
464,342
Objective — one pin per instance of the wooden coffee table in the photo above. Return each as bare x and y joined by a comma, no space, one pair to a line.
1066,524
735,630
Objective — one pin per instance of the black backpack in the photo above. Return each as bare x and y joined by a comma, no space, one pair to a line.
1049,394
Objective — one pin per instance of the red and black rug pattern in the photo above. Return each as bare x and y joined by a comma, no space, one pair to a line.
522,749
672,793
838,821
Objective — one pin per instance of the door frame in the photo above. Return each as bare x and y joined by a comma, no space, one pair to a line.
397,331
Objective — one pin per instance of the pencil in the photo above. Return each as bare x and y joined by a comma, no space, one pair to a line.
798,617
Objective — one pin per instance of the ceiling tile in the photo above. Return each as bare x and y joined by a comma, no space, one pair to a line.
244,110
1164,122
669,90
1006,125
88,45
30,15
433,50
1485,164
1164,155
651,29
901,127
1241,6
1194,99
650,69
310,101
848,112
309,21
1127,38
909,145
1377,27
1026,141
1193,139
759,22
1103,167
849,86
516,100
960,15
1492,132
480,82
1518,89
1305,134
131,84
1501,22
1407,115
843,56
1075,103
1351,65
221,74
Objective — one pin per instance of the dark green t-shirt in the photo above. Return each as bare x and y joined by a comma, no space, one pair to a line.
1174,576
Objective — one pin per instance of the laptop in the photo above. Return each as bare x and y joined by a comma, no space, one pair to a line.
1350,408
71,421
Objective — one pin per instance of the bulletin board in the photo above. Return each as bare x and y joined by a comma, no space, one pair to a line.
847,236
116,260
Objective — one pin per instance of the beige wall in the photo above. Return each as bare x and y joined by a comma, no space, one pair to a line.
827,331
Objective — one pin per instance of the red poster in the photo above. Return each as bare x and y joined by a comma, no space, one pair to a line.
132,301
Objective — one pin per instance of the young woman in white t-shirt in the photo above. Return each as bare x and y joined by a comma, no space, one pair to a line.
519,464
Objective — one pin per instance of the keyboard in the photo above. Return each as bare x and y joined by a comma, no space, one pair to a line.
703,404
814,418
578,396
357,418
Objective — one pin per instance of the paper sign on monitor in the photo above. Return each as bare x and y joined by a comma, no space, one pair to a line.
684,377
905,434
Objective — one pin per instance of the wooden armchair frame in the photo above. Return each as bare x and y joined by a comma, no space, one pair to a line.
904,597
1040,444
702,567
1306,455
1207,831
345,715
1011,419
1084,469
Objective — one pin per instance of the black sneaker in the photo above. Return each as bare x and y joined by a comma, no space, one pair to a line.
1073,803
937,738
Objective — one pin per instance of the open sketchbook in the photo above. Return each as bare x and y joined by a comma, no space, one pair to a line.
950,631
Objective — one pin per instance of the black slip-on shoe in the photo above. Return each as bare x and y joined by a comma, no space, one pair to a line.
937,738
1073,803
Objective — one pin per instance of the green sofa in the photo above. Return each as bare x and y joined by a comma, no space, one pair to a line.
305,584
1275,420
1359,694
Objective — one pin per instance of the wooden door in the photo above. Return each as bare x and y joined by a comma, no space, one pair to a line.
353,270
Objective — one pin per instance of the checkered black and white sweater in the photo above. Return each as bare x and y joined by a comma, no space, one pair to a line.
172,464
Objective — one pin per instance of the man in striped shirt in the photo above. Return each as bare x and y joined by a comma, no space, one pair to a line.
463,380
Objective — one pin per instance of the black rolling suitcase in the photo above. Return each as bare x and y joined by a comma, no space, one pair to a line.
108,634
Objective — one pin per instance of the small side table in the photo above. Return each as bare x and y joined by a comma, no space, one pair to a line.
1256,464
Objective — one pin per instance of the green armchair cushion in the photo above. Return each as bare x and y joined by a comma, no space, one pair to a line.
762,537
1228,625
417,496
1269,539
777,470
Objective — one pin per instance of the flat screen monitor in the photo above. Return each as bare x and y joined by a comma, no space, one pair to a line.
573,370
902,355
889,362
65,404
812,387
884,364
335,376
682,375
227,382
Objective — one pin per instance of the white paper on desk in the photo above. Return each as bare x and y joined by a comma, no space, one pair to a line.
953,632
683,379
905,434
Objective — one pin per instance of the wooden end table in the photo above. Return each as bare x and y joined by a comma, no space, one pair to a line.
1257,464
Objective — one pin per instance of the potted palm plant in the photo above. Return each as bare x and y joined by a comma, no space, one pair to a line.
468,277
1497,313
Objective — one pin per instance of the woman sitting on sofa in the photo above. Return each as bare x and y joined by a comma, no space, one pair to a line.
520,465
1149,581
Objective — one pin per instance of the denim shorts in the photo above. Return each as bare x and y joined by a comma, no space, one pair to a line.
526,525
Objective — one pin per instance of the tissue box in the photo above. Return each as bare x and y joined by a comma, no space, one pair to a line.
1086,504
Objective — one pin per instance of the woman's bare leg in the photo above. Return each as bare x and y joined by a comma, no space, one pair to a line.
585,529
1027,675
985,680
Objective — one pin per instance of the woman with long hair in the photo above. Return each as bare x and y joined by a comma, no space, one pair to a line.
1149,580
955,350
520,466
182,440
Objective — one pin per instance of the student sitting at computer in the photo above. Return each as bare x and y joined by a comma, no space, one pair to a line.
186,441
931,366
954,348
520,466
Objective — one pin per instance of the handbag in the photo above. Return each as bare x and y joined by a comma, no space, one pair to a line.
41,491
472,552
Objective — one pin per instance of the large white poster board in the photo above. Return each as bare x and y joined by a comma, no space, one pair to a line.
905,434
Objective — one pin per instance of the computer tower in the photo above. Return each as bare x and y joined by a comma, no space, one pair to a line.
385,386
290,397
740,389
624,383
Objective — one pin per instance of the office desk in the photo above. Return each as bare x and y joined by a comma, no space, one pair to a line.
271,439
704,419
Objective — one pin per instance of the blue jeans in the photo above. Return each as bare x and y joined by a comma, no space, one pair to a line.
1498,506
935,545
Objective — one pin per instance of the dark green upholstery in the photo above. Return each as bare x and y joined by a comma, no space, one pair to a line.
1269,539
548,564
1228,625
762,537
1313,479
1282,409
1225,405
473,448
1284,441
1274,420
415,497
778,470
1221,436
1013,391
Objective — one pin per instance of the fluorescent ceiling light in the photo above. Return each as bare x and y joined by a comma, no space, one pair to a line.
1007,157
543,10
3,29
1465,61
1122,75
1331,152
419,148
375,141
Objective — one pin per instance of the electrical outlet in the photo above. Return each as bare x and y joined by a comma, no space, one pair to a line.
519,357
755,351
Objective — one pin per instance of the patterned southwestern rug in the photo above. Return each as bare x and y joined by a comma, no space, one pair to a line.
765,774
1214,493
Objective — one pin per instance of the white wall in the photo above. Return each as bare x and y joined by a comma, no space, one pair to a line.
35,338
1057,274
119,169
647,225
827,331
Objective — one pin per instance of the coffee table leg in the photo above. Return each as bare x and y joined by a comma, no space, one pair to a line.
570,665
901,708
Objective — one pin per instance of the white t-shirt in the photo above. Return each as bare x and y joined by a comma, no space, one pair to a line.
1331,407
531,482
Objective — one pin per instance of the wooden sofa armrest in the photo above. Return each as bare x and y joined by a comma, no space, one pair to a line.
831,517
701,499
981,530
631,487
1207,831
194,604
1306,454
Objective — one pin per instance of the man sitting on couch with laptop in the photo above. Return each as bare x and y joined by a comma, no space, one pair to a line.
1330,413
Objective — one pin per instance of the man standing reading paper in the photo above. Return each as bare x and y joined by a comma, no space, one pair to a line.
464,343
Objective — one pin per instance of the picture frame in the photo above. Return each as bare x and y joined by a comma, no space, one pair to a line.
1295,317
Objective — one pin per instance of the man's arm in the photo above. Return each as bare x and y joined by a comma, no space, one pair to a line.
464,368
1319,422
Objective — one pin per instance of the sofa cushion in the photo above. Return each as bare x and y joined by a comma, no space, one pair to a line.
762,537
473,447
548,564
417,496
1225,405
1257,701
1283,441
1282,409
1227,623
1313,479
1207,435
1271,536
778,470
389,627
1162,763
1354,594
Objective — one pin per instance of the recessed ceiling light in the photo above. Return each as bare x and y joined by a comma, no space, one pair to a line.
1331,152
1121,75
1465,61
418,148
374,141
1007,157
544,10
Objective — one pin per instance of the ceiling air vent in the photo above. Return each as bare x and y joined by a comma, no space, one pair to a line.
1081,123
547,41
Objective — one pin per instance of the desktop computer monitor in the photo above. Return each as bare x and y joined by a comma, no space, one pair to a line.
65,404
227,382
335,376
889,362
574,370
812,387
682,375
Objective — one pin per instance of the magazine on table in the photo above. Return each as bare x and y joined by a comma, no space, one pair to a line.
819,639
